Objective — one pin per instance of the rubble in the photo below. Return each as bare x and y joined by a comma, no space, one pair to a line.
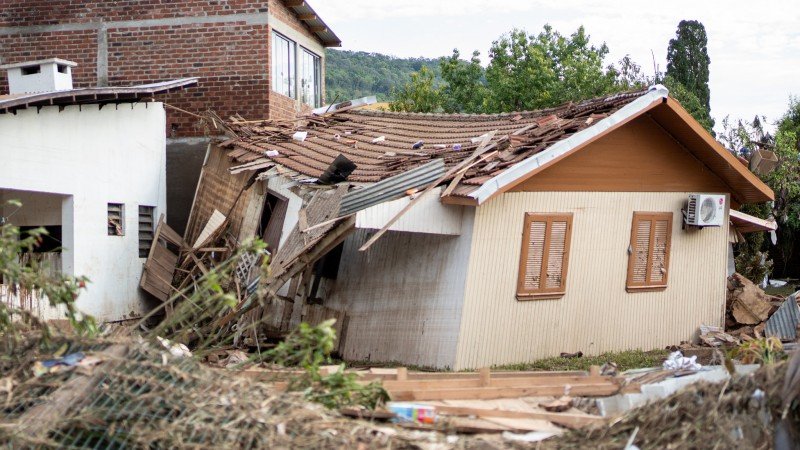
745,412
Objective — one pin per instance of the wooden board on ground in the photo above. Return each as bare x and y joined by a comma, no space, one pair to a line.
516,409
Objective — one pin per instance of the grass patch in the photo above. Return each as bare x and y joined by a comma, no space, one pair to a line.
631,359
783,291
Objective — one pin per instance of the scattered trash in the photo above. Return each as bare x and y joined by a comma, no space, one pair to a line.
176,349
456,147
418,145
272,153
440,146
533,436
300,136
412,412
379,139
475,140
577,354
715,337
777,283
676,361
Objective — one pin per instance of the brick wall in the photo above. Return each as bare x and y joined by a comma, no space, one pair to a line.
181,39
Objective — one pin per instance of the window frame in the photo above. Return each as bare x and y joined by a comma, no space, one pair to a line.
316,63
544,293
647,285
291,59
152,231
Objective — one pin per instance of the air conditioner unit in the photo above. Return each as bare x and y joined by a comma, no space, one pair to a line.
705,210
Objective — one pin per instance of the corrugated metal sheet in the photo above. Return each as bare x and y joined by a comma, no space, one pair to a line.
391,188
403,297
783,324
429,215
596,314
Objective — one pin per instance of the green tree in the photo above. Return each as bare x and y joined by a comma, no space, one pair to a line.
537,71
688,62
464,89
690,102
743,138
418,95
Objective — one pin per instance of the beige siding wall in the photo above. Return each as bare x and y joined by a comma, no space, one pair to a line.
596,314
403,296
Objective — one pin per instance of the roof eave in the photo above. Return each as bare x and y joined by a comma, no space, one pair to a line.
526,168
95,94
306,14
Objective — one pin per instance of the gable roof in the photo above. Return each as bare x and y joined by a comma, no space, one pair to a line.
109,94
381,143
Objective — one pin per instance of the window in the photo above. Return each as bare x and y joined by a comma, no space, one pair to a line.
544,258
648,254
283,65
146,229
116,219
310,78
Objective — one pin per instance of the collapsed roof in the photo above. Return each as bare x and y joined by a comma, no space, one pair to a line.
386,144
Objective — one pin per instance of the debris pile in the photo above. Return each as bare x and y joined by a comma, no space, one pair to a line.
137,395
746,412
750,313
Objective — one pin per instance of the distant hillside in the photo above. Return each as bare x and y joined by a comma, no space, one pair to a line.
350,74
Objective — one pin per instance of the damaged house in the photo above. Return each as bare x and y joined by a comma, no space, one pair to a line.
88,165
464,241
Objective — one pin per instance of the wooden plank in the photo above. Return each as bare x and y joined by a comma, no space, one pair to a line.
216,220
568,420
487,393
378,373
413,385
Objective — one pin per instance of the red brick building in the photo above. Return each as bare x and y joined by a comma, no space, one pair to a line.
255,58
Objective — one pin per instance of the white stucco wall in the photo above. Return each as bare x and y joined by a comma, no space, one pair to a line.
92,156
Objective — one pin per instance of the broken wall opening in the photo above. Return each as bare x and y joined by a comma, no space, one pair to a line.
53,252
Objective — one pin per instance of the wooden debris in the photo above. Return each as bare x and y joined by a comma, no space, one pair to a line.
560,404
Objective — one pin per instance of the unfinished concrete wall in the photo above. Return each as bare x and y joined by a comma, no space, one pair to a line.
596,314
91,157
403,296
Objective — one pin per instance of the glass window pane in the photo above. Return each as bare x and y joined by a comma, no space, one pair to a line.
310,79
283,65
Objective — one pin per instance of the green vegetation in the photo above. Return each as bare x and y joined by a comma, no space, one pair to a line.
525,72
350,74
687,65
31,277
631,359
310,347
742,138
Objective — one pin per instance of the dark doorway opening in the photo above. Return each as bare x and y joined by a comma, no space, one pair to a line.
273,215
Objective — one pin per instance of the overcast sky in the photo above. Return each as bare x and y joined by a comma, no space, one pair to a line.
754,46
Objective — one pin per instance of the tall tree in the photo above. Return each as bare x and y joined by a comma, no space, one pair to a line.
538,71
464,90
688,61
418,95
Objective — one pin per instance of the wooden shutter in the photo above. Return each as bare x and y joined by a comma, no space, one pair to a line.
648,260
544,256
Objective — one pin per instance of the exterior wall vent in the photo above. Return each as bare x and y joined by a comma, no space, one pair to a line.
45,75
